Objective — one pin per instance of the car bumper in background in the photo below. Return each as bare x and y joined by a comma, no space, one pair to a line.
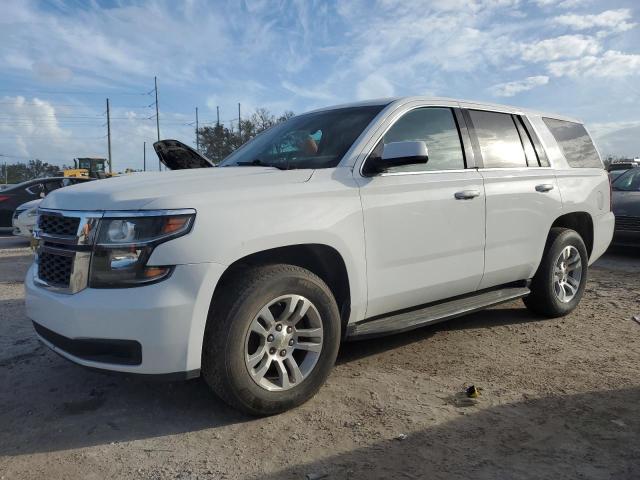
155,329
626,238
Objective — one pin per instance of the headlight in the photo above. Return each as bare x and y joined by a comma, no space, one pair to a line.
125,243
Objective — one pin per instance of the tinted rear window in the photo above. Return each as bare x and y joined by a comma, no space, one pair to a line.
575,143
499,139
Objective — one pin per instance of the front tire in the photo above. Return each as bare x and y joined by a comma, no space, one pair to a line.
271,340
558,285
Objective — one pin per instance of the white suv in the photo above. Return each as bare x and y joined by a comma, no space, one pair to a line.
344,223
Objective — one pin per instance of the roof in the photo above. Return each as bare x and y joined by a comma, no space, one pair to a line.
397,101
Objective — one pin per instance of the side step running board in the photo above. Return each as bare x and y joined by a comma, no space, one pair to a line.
401,322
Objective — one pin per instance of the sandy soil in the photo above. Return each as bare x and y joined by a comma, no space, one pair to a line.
559,399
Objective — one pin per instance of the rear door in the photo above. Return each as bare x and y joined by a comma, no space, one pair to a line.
522,195
424,240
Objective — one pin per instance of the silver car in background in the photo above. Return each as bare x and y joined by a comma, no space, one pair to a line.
24,218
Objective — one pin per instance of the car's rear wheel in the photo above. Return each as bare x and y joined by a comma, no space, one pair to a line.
272,339
558,285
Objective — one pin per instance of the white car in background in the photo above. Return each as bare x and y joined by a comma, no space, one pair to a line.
24,218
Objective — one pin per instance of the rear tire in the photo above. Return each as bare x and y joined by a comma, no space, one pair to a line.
558,285
242,327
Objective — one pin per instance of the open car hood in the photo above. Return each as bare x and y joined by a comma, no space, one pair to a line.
176,155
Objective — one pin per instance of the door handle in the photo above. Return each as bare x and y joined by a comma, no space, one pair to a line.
467,194
545,187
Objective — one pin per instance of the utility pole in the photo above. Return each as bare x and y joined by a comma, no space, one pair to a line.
239,126
6,173
155,84
109,135
218,116
144,156
197,139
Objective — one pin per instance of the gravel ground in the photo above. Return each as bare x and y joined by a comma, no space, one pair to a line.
559,399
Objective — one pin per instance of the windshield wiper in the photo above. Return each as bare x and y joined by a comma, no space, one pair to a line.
258,163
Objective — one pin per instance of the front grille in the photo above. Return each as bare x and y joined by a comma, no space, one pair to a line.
630,224
55,269
58,225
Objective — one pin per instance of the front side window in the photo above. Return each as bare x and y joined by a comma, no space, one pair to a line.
437,128
575,143
313,140
499,140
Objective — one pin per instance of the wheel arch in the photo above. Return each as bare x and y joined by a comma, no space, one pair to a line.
581,222
321,259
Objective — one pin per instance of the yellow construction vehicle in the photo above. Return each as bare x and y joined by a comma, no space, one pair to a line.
88,168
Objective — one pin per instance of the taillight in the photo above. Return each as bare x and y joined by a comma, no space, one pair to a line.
4,197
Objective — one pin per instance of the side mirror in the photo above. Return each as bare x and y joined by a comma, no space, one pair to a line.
405,153
396,154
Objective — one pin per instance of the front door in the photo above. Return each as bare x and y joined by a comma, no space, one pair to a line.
424,224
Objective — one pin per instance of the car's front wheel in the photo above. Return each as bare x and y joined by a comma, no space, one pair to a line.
272,339
558,285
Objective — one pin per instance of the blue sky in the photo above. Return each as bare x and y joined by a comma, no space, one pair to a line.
61,59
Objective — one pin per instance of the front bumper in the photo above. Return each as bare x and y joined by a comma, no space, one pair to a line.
166,319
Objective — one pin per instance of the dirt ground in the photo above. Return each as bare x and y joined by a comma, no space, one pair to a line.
559,399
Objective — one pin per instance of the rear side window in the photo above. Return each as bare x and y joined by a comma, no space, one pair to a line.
575,143
499,140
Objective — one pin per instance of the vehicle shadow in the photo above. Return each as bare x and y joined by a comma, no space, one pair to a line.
590,435
49,404
512,313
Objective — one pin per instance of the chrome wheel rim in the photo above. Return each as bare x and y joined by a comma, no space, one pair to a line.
283,343
567,274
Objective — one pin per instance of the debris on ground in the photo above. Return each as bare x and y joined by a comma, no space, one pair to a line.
472,391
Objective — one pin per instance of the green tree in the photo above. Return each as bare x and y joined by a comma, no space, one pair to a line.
217,141
21,172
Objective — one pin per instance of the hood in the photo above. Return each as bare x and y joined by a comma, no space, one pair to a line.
626,204
30,204
171,189
176,155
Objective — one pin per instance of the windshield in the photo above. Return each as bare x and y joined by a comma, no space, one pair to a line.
313,140
89,164
629,181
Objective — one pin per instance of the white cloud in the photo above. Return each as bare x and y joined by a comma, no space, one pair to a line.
374,86
305,92
562,3
565,46
32,126
611,64
617,138
610,20
509,89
